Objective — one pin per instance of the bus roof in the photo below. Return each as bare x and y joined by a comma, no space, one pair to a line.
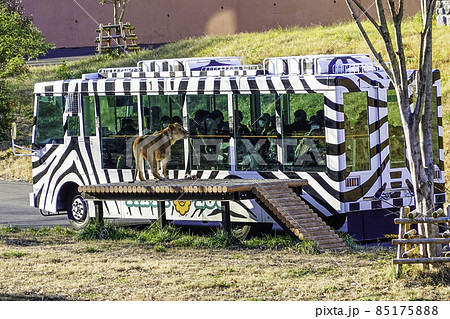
235,66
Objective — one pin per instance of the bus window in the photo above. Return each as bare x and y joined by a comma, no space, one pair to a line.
119,126
209,132
303,138
89,115
73,126
49,121
158,112
356,131
396,137
434,127
255,131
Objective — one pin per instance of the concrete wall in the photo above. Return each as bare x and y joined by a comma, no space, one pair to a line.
443,12
72,23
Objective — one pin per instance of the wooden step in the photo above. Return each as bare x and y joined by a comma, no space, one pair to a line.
286,204
301,213
323,238
288,208
112,47
109,37
308,221
133,48
281,205
303,217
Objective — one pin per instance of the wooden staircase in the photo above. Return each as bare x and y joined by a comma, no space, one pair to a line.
295,216
116,37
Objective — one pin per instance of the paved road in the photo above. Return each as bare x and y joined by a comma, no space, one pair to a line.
56,61
15,208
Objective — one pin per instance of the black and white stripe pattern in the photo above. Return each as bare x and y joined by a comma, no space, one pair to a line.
78,161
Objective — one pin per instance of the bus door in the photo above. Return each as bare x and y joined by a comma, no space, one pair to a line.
367,178
364,165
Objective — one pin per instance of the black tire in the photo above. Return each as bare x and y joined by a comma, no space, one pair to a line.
259,229
241,231
77,211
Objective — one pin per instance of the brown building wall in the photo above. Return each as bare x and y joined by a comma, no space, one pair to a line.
72,23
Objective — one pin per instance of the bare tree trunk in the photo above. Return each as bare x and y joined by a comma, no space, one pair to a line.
116,20
426,82
124,4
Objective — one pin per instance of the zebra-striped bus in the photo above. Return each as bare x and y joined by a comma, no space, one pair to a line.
330,119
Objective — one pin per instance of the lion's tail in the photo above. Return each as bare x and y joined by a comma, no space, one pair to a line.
136,155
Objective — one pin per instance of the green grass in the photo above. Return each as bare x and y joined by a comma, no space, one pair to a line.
254,47
13,254
298,273
172,236
349,240
93,250
161,238
98,231
10,229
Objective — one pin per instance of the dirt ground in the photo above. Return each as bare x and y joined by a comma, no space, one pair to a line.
59,268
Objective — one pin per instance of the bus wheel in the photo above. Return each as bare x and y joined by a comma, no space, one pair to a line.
77,211
336,221
241,231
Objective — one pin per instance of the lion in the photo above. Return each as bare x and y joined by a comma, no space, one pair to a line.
156,148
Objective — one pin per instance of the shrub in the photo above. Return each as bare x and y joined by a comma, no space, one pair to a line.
63,72
157,234
11,229
103,231
6,110
349,240
222,239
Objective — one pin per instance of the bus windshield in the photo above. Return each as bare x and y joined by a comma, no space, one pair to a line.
49,121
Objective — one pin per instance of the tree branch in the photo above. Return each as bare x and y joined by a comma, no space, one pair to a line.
425,56
397,19
366,13
122,13
386,36
363,32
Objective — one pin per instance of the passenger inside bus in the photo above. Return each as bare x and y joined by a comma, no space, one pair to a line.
299,125
177,119
164,122
262,125
222,127
260,152
241,129
311,151
177,149
209,132
154,116
196,124
127,127
304,146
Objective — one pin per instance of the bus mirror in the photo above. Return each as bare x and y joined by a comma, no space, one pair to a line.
13,131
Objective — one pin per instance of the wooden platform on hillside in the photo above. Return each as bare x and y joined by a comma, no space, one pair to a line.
276,197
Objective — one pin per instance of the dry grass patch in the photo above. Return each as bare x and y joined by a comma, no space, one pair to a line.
59,267
15,168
